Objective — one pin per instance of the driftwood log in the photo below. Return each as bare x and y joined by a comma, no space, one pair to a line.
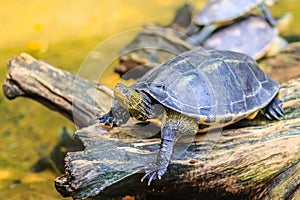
74,97
258,161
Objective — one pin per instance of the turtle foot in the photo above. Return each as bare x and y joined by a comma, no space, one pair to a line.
274,110
108,120
154,174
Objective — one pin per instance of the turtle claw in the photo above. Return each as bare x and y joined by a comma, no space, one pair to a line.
152,176
268,116
108,120
274,110
279,111
273,114
155,174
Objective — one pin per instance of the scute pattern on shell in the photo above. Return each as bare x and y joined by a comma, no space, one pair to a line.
235,37
210,84
225,10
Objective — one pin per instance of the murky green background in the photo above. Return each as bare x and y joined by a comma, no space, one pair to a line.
62,33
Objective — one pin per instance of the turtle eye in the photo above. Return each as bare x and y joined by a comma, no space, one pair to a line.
125,91
160,86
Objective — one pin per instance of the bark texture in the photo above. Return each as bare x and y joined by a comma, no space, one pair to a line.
260,161
252,160
72,96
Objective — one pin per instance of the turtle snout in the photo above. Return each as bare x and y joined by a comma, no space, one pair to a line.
121,91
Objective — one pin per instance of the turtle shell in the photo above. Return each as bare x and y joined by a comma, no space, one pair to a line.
220,11
251,35
210,85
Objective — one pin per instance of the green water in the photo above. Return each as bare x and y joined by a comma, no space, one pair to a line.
63,33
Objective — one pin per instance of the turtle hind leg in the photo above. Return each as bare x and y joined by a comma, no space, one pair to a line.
274,110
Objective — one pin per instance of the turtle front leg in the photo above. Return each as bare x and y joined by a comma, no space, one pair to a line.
268,15
115,117
199,38
174,126
162,162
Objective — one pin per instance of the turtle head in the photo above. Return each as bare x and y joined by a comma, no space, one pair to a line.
137,103
126,96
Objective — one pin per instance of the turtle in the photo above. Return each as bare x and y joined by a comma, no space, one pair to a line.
192,92
265,39
251,35
217,13
152,46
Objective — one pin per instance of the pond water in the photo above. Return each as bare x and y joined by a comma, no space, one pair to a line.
63,33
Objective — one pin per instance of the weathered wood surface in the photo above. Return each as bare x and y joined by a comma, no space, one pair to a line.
70,95
284,66
257,162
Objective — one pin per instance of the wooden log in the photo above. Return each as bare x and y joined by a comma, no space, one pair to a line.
284,66
72,96
230,170
256,162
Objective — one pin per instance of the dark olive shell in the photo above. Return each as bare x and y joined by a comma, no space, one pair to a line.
251,35
210,84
